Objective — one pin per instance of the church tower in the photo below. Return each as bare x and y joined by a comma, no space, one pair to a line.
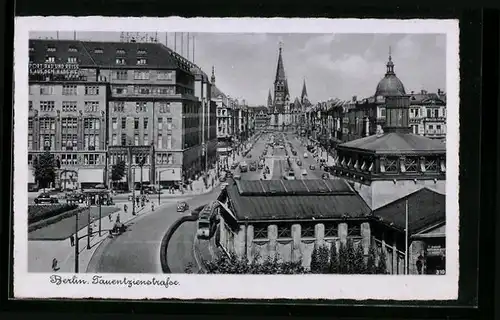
303,97
212,79
269,100
280,85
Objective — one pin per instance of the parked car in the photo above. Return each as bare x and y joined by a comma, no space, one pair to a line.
299,163
249,155
182,206
325,176
306,155
312,167
304,172
45,198
224,185
243,167
261,165
234,165
294,152
237,177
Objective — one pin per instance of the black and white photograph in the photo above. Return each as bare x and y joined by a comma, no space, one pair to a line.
236,158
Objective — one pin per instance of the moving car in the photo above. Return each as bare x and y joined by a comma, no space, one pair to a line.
224,185
299,163
294,152
45,198
290,175
312,167
243,166
325,176
234,165
237,177
306,155
182,206
304,172
253,166
249,155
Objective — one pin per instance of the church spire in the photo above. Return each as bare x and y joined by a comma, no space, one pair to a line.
303,96
280,70
390,64
269,99
213,75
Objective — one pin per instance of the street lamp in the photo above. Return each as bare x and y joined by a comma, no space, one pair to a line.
88,226
159,180
133,191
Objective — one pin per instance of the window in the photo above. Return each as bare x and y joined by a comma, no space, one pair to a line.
165,75
91,90
436,113
69,106
170,158
145,123
47,141
114,123
431,127
169,123
382,112
98,50
141,51
91,106
409,164
307,231
120,51
68,141
160,123
46,90
260,231
30,124
165,90
124,139
92,123
91,159
416,112
72,60
353,230
438,127
429,113
160,141
141,61
140,107
91,141
284,231
30,105
124,123
51,49
69,122
146,139
30,142
120,90
69,90
121,75
136,123
114,139
136,139
429,164
331,230
169,141
164,107
119,106
141,75
50,59
120,61
47,106
389,165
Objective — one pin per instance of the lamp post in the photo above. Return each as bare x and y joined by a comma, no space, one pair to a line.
88,225
159,179
133,191
77,240
100,215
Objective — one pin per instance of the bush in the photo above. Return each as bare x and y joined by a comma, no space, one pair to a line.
48,221
41,212
348,260
271,265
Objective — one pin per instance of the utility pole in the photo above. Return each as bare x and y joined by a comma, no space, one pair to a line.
88,226
133,191
100,215
77,240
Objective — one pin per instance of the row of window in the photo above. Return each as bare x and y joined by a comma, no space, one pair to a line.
123,61
142,75
67,106
395,165
161,158
67,90
96,50
163,107
125,140
145,123
69,141
306,230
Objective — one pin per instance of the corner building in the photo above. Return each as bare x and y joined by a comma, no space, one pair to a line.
130,99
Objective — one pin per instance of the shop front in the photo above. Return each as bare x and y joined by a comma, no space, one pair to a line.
90,178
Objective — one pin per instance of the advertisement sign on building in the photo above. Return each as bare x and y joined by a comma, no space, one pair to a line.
56,71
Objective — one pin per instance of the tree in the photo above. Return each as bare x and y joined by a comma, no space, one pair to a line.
382,263
314,261
44,169
334,259
359,260
371,264
118,170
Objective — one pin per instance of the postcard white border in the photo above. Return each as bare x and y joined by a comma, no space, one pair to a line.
37,285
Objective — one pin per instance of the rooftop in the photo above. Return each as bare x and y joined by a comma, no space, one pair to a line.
426,208
396,142
295,199
107,54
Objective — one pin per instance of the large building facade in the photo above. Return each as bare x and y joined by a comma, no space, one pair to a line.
93,104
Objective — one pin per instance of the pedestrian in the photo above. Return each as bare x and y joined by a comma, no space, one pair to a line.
152,206
118,218
55,266
72,240
125,207
111,217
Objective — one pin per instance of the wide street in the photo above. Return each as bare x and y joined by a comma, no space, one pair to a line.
138,250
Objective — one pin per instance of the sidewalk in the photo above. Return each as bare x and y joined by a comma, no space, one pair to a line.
41,253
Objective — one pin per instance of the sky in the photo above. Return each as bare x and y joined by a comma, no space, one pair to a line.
333,65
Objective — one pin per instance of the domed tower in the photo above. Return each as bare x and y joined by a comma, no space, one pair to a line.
390,85
392,163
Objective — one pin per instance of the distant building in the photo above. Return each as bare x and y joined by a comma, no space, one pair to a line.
280,108
261,117
224,112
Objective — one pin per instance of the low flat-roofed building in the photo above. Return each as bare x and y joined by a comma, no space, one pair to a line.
426,232
288,218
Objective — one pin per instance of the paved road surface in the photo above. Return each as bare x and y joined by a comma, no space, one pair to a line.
256,152
138,250
180,252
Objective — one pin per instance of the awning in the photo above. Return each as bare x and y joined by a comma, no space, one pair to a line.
90,175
